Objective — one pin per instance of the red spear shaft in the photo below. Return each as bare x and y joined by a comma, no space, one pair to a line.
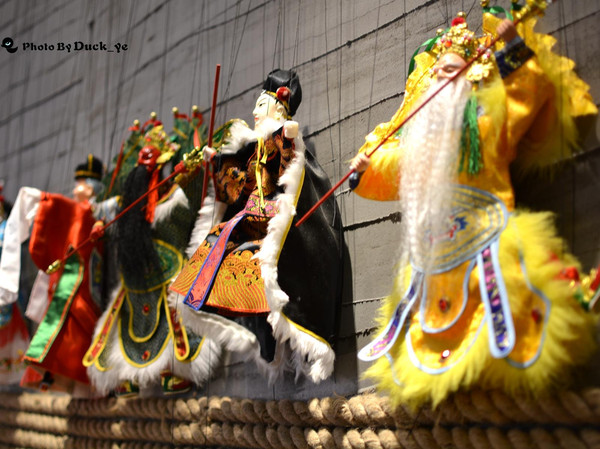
95,234
180,168
211,128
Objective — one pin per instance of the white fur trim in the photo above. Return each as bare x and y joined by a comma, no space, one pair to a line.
225,332
210,214
231,337
312,356
197,370
103,381
241,134
164,209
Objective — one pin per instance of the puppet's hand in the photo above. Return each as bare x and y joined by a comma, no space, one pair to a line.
97,231
208,153
360,162
506,30
290,129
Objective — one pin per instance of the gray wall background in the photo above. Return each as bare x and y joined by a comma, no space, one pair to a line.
351,56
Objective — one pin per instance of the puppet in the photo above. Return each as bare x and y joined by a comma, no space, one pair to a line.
484,294
256,284
138,342
67,302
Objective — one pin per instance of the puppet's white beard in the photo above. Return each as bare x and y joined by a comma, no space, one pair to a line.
431,142
267,125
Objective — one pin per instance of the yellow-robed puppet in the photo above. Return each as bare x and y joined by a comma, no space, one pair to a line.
484,293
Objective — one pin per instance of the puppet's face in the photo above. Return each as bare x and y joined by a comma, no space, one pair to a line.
147,157
82,190
448,65
267,106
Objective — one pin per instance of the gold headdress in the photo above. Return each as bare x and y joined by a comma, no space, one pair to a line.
463,42
157,138
458,39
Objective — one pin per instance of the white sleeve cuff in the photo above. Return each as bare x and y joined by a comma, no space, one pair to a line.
18,226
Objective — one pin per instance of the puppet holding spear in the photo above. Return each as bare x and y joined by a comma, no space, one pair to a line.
256,284
139,342
484,294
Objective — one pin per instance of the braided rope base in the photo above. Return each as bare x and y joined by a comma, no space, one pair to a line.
471,420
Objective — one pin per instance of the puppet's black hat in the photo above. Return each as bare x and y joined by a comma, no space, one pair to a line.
285,78
91,168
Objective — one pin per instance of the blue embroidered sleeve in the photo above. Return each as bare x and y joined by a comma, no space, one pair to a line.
513,56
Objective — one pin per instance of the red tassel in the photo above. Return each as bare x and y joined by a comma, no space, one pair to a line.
458,21
283,93
196,138
152,197
596,282
198,118
152,121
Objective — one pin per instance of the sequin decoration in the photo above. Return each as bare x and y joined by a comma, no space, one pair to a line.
384,341
445,355
444,304
493,293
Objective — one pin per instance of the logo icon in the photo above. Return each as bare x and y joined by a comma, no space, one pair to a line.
8,43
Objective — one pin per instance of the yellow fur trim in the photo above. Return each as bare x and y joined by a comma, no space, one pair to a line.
573,101
492,98
569,335
305,330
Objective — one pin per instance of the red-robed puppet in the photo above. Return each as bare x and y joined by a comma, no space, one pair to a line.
72,301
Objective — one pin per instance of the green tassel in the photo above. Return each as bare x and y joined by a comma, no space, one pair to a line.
469,139
495,10
427,45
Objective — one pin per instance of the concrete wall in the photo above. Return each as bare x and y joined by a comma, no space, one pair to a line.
351,56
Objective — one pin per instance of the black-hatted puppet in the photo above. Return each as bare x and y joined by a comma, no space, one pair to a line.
483,293
256,284
67,302
139,343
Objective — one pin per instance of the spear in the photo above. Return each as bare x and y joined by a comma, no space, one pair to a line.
534,7
190,161
211,128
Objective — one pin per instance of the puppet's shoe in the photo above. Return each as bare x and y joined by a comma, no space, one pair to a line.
172,384
46,382
127,389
